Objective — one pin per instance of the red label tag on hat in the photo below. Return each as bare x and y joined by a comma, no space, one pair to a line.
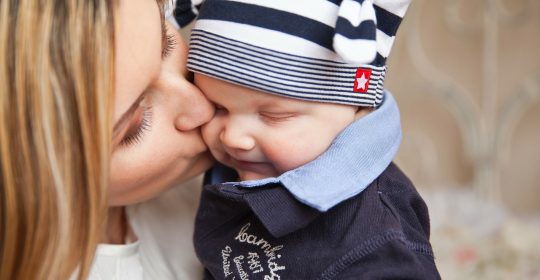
361,82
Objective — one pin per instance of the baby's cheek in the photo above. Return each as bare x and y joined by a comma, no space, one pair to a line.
288,155
206,134
210,131
210,135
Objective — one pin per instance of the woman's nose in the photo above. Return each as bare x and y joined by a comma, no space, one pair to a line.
195,110
235,135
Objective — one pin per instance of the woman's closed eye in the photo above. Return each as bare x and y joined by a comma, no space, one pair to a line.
140,123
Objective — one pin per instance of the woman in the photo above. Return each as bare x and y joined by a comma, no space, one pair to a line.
73,76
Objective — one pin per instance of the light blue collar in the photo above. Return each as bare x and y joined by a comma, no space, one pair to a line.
358,155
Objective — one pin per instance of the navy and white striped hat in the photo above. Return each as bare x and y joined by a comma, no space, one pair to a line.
318,50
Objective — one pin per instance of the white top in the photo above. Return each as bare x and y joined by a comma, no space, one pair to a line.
164,250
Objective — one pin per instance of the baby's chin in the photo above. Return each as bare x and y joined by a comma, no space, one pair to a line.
250,176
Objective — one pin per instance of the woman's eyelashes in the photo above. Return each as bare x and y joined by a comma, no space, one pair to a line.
140,123
170,43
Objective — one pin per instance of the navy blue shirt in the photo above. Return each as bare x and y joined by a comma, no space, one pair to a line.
266,233
345,215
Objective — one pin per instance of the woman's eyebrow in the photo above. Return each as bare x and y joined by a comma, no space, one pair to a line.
163,31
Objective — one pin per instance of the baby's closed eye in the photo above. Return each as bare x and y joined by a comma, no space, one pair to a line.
276,117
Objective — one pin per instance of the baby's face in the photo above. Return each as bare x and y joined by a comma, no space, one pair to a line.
263,135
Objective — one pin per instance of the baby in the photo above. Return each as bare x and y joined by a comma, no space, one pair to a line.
305,136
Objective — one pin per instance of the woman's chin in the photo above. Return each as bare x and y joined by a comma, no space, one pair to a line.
135,189
200,165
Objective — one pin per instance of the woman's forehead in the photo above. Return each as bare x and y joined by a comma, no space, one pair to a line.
138,45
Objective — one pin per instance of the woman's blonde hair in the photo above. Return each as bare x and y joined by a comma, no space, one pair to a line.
56,94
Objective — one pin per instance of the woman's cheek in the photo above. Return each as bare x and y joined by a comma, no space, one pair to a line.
127,171
124,178
140,164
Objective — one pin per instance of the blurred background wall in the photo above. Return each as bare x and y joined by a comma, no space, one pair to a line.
466,74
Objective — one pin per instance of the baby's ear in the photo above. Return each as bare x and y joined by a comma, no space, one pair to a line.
362,111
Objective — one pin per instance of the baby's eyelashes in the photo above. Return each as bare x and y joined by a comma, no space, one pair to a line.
267,116
277,117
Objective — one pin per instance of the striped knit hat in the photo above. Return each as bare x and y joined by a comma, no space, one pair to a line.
318,50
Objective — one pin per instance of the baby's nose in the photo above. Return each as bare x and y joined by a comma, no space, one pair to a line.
234,136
